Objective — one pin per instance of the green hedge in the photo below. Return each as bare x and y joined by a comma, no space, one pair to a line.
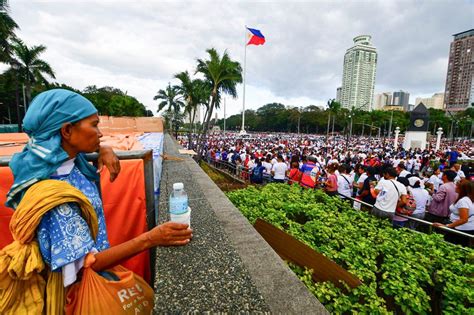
402,271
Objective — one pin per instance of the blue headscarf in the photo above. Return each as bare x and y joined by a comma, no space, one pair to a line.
43,154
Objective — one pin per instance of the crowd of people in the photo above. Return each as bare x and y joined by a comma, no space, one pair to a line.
433,185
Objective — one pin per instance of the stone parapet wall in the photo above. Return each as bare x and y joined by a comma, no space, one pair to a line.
227,267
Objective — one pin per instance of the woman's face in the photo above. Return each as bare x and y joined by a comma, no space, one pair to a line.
85,135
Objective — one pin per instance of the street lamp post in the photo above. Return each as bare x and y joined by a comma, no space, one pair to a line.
438,138
390,125
349,134
397,131
350,128
16,66
224,116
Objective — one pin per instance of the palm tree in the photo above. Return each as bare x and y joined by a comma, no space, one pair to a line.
7,31
195,93
31,68
174,119
172,102
222,74
334,108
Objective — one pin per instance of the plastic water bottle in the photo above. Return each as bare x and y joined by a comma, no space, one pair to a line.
179,210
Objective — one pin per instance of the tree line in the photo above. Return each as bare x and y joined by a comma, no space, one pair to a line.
277,117
28,75
221,75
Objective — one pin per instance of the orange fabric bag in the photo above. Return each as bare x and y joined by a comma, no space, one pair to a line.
96,295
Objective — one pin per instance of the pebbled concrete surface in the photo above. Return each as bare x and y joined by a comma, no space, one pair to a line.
227,267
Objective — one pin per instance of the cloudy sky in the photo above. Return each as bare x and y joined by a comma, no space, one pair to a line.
138,46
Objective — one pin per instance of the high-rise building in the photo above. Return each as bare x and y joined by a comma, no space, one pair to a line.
358,79
338,94
401,98
436,101
459,91
382,99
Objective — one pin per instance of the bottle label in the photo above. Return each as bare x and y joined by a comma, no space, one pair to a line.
178,205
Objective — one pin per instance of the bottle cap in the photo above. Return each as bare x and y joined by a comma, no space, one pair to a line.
178,186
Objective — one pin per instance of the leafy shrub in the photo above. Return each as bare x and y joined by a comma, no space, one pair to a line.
402,271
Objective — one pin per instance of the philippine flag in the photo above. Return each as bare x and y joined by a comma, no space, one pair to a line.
256,38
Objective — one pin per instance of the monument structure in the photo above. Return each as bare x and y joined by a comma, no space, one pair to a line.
417,132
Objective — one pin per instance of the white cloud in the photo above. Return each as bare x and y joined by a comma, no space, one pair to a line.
139,46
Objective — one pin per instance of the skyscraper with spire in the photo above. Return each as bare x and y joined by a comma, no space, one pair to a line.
358,79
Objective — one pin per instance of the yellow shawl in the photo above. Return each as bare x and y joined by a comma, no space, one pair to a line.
22,287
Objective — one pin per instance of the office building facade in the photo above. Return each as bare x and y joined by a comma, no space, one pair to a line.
358,79
459,90
401,98
381,100
436,101
338,94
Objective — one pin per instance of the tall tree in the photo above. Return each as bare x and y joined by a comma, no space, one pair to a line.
195,93
222,74
172,103
31,68
334,108
7,32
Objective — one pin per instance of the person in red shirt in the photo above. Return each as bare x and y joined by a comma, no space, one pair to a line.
294,173
309,173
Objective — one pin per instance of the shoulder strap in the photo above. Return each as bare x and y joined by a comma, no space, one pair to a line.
398,192
346,179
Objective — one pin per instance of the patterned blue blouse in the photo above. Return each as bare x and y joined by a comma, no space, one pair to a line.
63,235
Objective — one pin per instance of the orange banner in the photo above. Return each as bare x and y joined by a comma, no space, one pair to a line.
124,206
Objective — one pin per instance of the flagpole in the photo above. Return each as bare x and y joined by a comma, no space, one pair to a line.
242,130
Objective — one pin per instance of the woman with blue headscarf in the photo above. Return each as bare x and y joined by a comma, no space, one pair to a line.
62,126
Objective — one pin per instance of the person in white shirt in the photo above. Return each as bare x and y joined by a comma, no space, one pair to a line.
462,212
395,162
363,176
410,164
421,197
333,161
344,182
402,172
459,172
250,164
388,192
279,170
336,168
417,167
267,165
242,155
435,180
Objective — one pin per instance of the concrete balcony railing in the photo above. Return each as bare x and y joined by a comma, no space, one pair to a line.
228,267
